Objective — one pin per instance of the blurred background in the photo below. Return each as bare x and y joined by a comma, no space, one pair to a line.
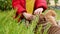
7,4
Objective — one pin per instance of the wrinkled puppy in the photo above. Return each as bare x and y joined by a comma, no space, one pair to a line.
49,17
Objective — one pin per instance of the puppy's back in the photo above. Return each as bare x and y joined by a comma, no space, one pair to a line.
54,30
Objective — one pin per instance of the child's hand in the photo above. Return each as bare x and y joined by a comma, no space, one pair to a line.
28,16
38,11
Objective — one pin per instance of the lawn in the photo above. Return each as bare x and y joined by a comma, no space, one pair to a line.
8,25
58,14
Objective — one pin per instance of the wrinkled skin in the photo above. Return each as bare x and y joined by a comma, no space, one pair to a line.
54,29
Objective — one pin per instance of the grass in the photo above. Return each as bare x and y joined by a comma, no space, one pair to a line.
58,14
8,25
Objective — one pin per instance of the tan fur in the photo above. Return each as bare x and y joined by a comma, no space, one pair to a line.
50,16
51,13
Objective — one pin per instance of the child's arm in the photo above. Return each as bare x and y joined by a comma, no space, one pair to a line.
41,4
19,5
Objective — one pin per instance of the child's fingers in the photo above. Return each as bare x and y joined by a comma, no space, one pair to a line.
29,18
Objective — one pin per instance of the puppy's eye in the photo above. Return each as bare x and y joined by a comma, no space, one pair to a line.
44,19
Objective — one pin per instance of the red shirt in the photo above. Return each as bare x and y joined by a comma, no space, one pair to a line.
21,5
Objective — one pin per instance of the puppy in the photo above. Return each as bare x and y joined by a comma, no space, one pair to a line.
48,17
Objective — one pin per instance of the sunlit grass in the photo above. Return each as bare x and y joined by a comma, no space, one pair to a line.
8,25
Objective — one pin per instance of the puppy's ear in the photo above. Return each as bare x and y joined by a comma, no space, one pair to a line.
51,13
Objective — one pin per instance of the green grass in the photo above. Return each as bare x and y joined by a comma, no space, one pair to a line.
8,25
58,14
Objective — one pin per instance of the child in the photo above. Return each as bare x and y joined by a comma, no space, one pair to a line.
20,5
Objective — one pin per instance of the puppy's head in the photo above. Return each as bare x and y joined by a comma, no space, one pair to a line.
42,19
